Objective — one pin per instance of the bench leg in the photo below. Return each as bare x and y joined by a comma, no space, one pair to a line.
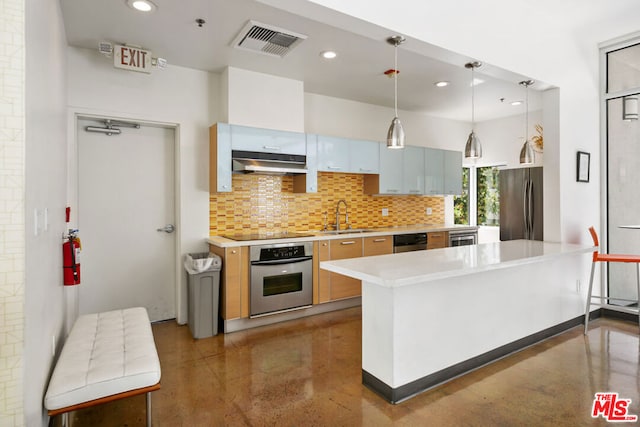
149,409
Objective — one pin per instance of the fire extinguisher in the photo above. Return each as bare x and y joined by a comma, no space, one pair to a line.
71,259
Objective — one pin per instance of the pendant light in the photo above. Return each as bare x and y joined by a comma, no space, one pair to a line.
395,134
527,156
473,148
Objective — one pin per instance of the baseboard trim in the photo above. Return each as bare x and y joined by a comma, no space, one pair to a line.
404,392
234,325
619,315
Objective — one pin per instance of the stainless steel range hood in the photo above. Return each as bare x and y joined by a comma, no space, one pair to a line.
268,163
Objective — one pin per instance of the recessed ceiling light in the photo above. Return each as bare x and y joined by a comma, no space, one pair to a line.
442,84
328,54
142,5
516,103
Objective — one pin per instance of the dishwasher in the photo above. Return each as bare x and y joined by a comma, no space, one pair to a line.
409,242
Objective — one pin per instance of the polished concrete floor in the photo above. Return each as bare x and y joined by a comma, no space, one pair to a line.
308,373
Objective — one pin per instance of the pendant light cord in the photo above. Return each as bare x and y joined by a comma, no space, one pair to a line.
395,80
526,120
473,89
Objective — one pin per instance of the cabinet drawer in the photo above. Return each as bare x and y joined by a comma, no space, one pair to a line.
345,248
437,240
380,245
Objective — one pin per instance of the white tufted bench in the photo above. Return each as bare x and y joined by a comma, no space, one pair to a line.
107,356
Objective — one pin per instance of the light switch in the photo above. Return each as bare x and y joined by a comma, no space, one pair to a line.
385,212
429,211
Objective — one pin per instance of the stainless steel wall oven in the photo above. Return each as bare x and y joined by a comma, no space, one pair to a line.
281,277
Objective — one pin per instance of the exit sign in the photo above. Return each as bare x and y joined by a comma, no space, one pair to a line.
132,58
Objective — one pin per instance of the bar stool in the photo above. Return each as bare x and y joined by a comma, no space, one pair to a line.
599,257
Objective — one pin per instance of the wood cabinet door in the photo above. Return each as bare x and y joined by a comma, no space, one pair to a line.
321,289
234,281
437,240
343,286
380,245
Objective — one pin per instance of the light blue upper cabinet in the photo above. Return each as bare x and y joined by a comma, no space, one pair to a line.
333,154
364,156
391,177
219,158
413,170
347,155
452,172
308,182
260,140
434,172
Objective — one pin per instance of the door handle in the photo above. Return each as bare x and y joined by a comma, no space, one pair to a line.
169,228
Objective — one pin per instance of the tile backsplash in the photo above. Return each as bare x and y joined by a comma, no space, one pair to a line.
263,204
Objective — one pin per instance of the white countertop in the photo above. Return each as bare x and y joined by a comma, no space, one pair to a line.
422,266
223,242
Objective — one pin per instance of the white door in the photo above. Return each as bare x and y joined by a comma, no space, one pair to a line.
126,193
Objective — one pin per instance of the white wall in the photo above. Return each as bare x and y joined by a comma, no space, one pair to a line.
502,140
12,209
350,119
177,95
45,188
249,100
549,49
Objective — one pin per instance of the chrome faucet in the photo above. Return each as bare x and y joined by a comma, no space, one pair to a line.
346,215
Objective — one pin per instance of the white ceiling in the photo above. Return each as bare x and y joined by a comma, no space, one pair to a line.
356,74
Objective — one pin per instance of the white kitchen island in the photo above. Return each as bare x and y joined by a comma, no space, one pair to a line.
429,316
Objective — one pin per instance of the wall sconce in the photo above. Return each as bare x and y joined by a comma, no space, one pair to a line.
630,108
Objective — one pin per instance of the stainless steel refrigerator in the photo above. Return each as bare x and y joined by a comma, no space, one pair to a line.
521,204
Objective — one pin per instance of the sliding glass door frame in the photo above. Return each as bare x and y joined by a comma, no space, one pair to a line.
606,96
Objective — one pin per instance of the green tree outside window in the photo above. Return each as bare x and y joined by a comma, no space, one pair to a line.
488,196
461,203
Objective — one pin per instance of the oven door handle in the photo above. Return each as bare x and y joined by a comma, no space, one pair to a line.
282,261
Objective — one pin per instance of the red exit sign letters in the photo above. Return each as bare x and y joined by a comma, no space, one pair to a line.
132,58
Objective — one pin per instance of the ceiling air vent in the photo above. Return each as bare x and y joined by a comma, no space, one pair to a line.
267,39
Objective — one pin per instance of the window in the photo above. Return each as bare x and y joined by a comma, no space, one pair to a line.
461,203
622,78
480,199
488,196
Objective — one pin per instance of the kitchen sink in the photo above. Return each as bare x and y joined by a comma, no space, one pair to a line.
351,231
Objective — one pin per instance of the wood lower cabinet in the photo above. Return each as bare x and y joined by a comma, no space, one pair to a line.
320,277
234,281
333,286
342,286
437,240
379,245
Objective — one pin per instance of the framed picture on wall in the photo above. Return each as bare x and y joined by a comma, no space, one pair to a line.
582,167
